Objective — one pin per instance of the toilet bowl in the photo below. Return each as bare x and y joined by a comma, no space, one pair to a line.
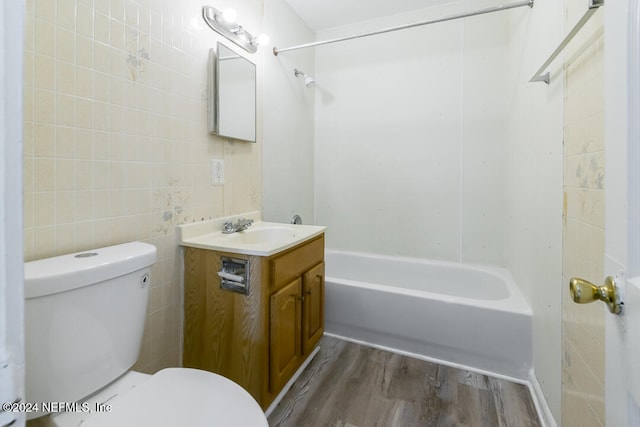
84,319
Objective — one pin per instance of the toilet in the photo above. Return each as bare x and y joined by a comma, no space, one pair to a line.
84,320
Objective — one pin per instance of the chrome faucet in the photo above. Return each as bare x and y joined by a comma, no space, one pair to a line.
242,224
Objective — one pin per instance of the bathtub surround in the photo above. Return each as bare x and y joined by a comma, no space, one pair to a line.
410,135
350,384
116,141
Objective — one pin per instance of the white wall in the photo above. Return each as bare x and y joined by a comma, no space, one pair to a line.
288,119
533,183
410,137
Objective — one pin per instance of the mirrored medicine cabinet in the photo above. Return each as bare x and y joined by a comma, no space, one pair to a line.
231,86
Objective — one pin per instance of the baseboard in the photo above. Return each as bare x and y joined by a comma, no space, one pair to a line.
430,359
544,412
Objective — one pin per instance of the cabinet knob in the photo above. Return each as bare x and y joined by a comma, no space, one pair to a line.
308,292
301,298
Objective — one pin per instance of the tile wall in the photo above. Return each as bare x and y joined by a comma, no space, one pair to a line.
583,325
116,142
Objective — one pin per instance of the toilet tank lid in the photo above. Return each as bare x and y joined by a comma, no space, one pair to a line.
62,273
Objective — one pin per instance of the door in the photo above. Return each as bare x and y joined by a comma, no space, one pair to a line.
622,212
11,259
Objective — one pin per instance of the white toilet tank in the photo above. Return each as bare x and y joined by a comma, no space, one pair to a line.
84,319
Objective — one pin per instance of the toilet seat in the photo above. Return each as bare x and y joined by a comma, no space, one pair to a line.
174,397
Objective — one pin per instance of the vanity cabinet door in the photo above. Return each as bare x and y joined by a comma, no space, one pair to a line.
285,334
312,307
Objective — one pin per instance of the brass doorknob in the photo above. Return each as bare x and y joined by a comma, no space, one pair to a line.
583,291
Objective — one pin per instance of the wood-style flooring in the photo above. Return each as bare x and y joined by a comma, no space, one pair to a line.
351,385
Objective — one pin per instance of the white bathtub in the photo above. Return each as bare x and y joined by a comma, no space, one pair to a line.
468,316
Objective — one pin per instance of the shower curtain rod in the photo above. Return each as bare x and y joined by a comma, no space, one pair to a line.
529,3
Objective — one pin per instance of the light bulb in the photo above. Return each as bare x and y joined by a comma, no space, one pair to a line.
261,40
229,16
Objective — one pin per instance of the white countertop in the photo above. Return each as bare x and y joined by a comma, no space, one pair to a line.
260,239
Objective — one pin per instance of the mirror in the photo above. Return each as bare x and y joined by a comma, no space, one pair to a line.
232,95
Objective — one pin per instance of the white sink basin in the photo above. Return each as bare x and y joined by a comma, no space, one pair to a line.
262,238
261,235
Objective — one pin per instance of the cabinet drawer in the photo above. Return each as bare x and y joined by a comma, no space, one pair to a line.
295,262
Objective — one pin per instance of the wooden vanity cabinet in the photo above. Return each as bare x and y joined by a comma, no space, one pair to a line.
258,340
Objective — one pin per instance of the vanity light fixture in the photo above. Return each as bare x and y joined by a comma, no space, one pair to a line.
224,23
